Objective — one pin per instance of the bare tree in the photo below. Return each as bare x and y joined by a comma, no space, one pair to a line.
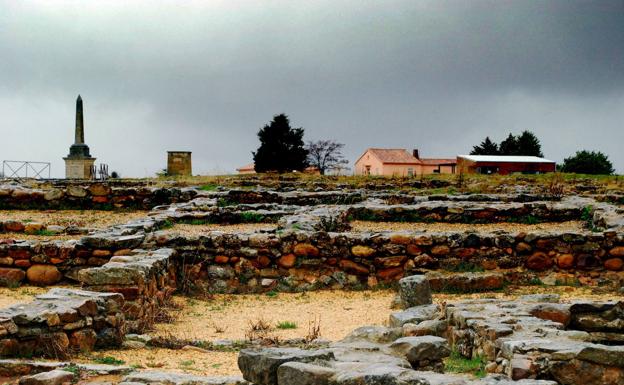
326,155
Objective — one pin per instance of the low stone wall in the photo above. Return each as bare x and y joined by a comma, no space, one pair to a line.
146,279
560,341
128,294
94,196
291,260
60,322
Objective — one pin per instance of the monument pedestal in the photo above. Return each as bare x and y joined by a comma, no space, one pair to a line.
78,168
79,161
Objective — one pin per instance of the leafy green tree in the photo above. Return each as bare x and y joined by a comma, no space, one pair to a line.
281,147
588,162
529,145
509,146
487,147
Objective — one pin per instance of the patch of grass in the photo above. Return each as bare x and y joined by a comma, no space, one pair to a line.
208,187
167,224
535,281
251,217
45,233
187,363
271,293
222,202
286,325
456,363
72,368
108,360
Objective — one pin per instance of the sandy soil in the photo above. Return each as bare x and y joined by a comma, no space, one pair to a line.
87,218
229,316
340,312
19,295
188,229
480,228
180,361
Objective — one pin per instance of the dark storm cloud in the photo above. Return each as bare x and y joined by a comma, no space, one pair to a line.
205,76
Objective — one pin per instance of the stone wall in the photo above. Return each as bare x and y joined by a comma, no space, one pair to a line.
61,322
146,279
93,196
126,295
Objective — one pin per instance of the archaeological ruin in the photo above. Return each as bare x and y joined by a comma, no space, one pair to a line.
108,285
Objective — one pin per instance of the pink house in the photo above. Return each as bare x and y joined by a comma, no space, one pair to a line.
399,162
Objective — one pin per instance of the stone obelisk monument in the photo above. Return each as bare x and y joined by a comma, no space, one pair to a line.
79,161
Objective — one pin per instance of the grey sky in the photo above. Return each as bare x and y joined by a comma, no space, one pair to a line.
204,76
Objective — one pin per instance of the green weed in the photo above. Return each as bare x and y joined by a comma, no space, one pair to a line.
286,325
456,363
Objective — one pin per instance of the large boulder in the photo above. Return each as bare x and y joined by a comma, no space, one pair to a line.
376,334
43,275
414,291
299,373
11,277
259,366
53,377
414,315
423,348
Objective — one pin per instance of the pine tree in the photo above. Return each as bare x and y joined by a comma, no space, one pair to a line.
487,147
509,146
281,147
529,145
586,162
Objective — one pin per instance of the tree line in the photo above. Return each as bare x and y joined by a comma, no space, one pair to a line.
528,144
282,149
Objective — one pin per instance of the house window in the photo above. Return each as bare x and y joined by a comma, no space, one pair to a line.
410,171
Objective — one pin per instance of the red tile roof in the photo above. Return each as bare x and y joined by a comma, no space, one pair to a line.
402,156
247,167
394,155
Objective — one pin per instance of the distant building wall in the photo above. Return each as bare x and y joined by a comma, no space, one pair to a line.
504,168
179,163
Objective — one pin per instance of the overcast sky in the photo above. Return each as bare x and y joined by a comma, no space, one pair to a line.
205,76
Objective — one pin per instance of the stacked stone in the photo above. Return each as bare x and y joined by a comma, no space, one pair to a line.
373,355
528,339
298,260
93,196
146,279
46,263
60,322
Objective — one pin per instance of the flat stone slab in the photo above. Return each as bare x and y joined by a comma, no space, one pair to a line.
127,270
165,378
260,366
414,315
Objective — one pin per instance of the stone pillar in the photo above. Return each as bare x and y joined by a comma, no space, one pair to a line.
179,163
79,161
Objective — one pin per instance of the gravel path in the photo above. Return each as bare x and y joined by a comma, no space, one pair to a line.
365,226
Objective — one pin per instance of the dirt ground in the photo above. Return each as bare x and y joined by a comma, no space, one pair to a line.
79,218
14,296
229,317
365,226
188,229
